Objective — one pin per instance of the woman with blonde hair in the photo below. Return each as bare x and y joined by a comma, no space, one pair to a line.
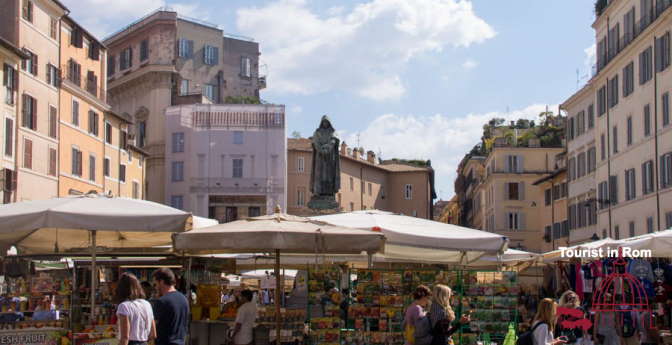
544,323
441,315
569,309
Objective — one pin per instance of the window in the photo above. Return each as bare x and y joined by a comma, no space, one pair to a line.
563,190
352,184
613,92
614,139
185,48
94,51
122,173
176,201
53,157
631,228
27,10
628,79
300,197
581,165
92,83
572,169
144,50
602,101
547,197
93,122
238,137
178,142
126,59
629,131
591,116
513,220
514,191
663,52
603,148
649,225
53,122
666,170
9,81
666,109
184,87
237,168
604,233
74,72
645,66
110,65
617,232
92,168
136,190
108,132
570,129
370,188
177,171
647,120
514,164
76,161
352,206
142,133
30,64
630,192
52,75
668,220
581,122
592,159
613,190
209,92
210,55
245,67
29,115
106,167
27,154
629,26
75,112
300,164
647,177
77,38
9,137
408,192
253,211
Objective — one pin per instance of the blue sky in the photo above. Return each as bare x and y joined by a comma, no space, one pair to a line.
409,78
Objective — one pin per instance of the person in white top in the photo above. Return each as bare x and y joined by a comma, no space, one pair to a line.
245,318
546,318
135,318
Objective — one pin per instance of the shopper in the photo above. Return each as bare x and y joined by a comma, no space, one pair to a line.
172,310
648,333
135,318
415,310
542,333
570,311
245,318
441,315
605,326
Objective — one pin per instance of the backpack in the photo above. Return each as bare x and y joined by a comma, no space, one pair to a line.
423,331
527,338
628,328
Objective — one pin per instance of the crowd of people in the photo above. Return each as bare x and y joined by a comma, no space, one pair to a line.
430,319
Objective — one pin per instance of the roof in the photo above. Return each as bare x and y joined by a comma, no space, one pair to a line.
90,35
123,117
302,144
14,49
549,177
139,150
396,167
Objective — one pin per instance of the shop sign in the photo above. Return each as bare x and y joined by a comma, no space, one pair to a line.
31,338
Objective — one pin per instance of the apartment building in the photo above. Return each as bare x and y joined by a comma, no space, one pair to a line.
34,27
450,214
10,60
366,182
165,59
226,161
124,164
471,173
553,211
620,130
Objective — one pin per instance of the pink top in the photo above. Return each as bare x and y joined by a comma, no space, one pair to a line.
413,313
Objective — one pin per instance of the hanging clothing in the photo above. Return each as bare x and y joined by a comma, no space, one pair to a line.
641,269
587,279
579,281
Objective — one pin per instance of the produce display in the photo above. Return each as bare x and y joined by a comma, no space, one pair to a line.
292,321
322,284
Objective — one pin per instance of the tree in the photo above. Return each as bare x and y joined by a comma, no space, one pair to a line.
296,135
523,124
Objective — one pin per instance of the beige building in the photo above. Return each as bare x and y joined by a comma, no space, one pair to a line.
34,26
553,210
10,60
366,183
165,59
620,128
511,202
450,214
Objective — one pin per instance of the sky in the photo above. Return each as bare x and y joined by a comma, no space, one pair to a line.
412,79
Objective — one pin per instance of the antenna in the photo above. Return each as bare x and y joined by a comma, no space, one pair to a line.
358,139
577,79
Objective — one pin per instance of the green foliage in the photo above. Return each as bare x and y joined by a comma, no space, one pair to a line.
414,162
242,100
296,135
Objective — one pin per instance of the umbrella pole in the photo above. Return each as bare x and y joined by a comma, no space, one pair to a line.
94,279
277,297
370,260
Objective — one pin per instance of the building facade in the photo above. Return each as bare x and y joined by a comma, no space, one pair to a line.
451,212
228,161
366,183
553,213
10,60
621,122
165,59
34,26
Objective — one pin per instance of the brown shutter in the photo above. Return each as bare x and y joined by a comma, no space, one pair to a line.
33,114
52,162
5,75
79,163
28,154
33,66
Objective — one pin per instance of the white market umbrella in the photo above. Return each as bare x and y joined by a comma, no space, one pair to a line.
261,274
659,243
73,224
604,244
279,233
416,239
509,257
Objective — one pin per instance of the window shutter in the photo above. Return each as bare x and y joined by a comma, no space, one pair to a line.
190,48
33,65
520,164
33,113
521,221
521,191
28,154
130,57
216,56
508,164
506,191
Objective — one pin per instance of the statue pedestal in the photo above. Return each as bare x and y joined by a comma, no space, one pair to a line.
323,204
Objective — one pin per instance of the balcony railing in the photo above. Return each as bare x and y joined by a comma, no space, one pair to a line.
605,57
220,119
237,185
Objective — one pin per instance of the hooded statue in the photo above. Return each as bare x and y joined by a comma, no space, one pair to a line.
325,177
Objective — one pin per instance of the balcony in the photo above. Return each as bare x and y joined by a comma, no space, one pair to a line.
235,185
612,50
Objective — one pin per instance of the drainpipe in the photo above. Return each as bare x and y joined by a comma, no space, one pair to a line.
553,215
609,148
15,178
362,187
655,136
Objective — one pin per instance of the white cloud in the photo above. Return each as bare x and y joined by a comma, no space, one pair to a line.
362,50
443,139
295,110
469,64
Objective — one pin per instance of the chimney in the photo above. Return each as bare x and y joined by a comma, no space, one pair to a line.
371,157
344,148
355,153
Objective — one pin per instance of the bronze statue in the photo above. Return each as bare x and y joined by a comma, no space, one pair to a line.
325,177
